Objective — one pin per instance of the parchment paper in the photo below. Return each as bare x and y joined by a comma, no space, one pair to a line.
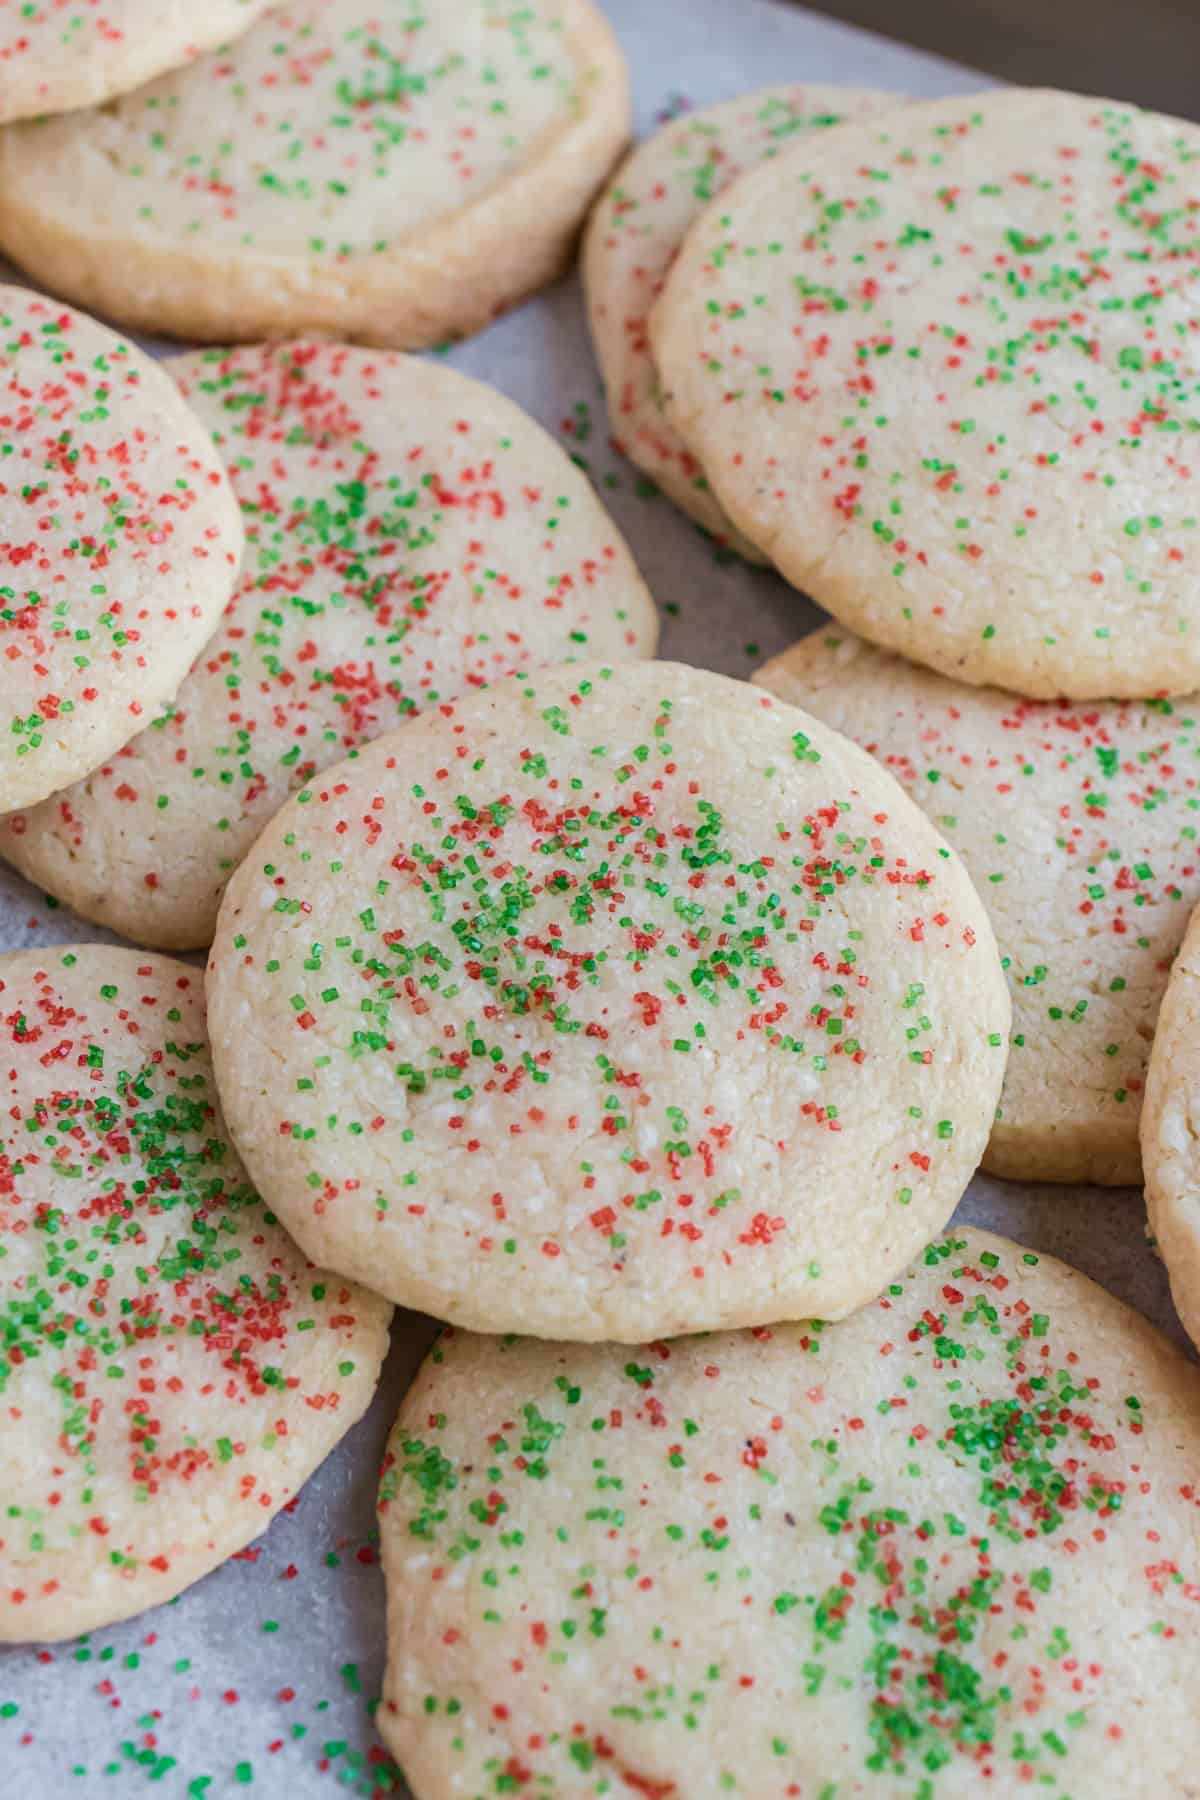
261,1680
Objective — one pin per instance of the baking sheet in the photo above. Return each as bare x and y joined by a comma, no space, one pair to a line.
262,1679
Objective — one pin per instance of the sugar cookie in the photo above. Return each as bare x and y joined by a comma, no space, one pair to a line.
172,1368
945,1547
609,1002
119,543
941,367
387,171
1169,1131
1077,825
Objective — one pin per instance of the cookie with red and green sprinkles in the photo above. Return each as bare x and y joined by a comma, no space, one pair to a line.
119,543
171,1368
608,1003
943,1548
1170,1131
940,366
411,535
59,54
1078,825
634,234
396,172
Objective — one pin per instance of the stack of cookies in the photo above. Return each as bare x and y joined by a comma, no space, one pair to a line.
642,1026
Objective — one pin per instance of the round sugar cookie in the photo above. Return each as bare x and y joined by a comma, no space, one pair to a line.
1169,1131
387,171
609,1003
410,534
1077,825
633,235
173,1369
119,543
56,56
945,1547
942,368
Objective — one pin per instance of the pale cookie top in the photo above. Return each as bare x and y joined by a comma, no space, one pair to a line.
58,54
609,1002
942,368
1078,825
635,231
1171,1131
944,1548
119,543
333,129
172,1368
410,534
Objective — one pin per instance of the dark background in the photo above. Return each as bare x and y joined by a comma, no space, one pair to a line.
1143,50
